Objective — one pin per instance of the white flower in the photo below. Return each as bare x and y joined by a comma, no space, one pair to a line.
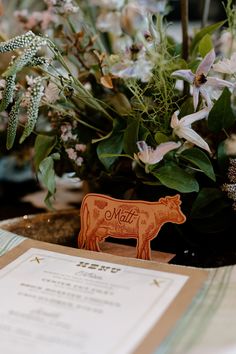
226,66
139,69
182,127
153,6
134,19
108,4
109,22
150,156
199,80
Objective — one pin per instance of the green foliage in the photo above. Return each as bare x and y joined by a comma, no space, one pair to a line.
113,146
48,177
43,146
205,45
174,177
221,115
131,135
209,202
199,159
202,33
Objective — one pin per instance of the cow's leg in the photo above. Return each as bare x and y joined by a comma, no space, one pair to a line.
140,247
143,251
92,240
147,250
92,243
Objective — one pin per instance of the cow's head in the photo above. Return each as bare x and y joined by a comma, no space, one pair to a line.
173,205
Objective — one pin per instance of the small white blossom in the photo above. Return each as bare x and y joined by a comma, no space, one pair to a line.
182,127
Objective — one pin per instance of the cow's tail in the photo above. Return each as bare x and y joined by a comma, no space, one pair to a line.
84,217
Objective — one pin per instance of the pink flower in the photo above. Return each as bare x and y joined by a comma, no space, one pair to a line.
72,154
80,147
150,156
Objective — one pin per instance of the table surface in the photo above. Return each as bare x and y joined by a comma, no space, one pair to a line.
207,327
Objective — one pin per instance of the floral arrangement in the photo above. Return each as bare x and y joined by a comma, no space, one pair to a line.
101,89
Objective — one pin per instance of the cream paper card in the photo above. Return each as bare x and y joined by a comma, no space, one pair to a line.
57,300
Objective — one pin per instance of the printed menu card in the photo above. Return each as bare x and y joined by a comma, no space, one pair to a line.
57,300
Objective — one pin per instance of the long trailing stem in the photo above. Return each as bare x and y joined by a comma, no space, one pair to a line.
77,85
185,41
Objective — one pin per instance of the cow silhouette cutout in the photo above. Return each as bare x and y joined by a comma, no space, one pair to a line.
103,216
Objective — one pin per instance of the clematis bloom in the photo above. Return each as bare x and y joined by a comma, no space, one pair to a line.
150,156
182,128
200,80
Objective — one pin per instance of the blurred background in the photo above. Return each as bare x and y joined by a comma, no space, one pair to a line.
20,191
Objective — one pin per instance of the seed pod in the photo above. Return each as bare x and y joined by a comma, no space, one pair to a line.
17,42
33,108
8,92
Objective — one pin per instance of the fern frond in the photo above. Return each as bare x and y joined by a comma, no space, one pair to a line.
13,123
21,41
33,108
8,92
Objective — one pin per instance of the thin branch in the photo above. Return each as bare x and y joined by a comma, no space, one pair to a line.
185,38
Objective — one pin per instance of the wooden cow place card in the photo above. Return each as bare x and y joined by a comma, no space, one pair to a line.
103,216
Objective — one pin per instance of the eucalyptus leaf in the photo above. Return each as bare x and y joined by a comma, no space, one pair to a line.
198,158
48,177
112,147
221,115
43,146
174,177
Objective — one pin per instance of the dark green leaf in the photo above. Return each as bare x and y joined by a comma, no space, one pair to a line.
131,136
222,157
172,176
43,146
208,202
206,30
200,159
221,115
186,108
161,138
113,146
